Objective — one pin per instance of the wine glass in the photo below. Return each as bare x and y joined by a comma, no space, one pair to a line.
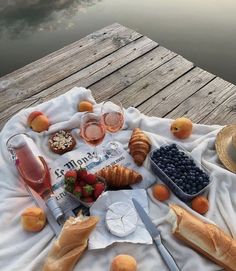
113,118
93,131
33,170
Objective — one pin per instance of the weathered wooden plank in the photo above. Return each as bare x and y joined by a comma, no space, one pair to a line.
59,65
198,106
126,76
224,113
171,96
87,76
139,92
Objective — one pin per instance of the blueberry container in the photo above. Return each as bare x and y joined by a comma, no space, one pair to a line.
171,182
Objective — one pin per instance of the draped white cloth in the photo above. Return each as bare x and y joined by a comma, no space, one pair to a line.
20,250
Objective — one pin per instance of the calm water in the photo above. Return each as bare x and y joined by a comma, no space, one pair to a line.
203,31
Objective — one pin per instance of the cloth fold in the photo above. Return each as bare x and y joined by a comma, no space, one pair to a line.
20,250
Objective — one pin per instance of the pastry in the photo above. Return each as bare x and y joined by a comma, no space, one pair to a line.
119,176
204,237
61,142
139,146
70,244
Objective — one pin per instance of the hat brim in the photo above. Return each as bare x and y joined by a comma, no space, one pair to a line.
225,149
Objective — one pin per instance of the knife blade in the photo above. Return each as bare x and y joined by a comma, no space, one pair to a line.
155,234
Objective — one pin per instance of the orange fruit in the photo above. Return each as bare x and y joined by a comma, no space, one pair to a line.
160,192
200,204
85,106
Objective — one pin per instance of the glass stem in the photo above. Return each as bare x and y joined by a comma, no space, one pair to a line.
95,153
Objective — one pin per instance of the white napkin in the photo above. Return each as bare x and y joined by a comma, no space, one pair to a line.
101,237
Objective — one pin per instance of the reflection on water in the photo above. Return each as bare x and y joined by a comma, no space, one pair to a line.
201,31
21,17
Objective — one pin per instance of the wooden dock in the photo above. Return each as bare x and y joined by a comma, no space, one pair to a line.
119,62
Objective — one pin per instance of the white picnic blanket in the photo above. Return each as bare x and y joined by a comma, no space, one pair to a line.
20,250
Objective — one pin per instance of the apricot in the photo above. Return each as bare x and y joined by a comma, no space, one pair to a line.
182,128
160,192
123,262
85,106
32,116
38,121
200,204
33,219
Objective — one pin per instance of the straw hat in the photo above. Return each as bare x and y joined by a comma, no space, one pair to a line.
226,147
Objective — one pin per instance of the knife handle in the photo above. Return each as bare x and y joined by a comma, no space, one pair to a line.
167,257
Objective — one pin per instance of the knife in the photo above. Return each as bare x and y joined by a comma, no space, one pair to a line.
154,232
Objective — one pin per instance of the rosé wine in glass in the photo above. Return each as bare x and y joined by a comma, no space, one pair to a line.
113,118
93,131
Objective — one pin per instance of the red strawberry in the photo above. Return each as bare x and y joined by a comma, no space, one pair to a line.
90,179
82,173
81,183
87,190
70,178
88,199
77,191
71,174
98,189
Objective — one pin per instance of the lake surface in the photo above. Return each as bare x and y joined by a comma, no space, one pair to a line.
203,31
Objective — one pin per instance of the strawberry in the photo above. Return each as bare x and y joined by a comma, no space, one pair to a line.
98,189
87,190
70,178
81,183
90,179
77,191
88,199
71,175
81,173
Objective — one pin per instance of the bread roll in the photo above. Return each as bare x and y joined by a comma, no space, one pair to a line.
119,176
204,237
70,244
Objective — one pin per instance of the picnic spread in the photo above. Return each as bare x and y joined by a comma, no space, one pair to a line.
176,179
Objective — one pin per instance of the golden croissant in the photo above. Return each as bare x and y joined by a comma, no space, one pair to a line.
139,145
119,176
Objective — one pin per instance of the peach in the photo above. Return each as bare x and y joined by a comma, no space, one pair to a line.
85,106
38,121
123,262
33,219
182,128
32,116
200,204
160,192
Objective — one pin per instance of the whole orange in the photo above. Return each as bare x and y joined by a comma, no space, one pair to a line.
161,192
200,204
85,106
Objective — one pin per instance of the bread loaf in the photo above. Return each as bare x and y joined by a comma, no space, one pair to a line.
119,176
70,244
139,145
204,237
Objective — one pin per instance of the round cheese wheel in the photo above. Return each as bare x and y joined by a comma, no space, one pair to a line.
121,219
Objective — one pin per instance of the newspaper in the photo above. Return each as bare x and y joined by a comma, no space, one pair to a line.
83,157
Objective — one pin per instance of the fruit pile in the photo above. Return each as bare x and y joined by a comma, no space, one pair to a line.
85,186
180,168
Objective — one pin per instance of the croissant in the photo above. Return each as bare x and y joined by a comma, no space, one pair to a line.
70,244
119,176
139,145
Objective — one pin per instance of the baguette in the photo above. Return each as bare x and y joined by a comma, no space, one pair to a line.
70,244
204,237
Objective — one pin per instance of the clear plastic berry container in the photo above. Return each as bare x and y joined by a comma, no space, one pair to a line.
175,184
88,204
